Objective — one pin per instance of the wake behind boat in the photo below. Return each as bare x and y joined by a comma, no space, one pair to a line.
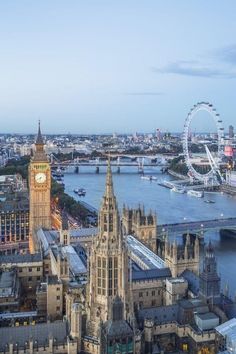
197,194
149,178
166,184
178,190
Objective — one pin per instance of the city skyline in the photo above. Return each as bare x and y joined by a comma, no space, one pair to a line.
114,67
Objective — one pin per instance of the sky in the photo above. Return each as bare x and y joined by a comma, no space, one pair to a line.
115,66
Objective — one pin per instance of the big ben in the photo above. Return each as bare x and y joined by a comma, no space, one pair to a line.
39,192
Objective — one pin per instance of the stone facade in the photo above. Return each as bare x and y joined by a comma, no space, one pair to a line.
50,300
168,336
181,257
9,291
54,297
209,278
29,270
14,223
39,192
108,267
176,289
148,293
143,226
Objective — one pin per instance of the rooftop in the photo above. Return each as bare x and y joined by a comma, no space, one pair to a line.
160,315
227,328
193,281
7,283
75,263
228,331
118,329
14,205
176,280
53,280
207,316
21,258
83,232
151,274
38,333
143,255
47,238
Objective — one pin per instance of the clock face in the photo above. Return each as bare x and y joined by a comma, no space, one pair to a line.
40,177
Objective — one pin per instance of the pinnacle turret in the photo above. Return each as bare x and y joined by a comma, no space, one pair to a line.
64,220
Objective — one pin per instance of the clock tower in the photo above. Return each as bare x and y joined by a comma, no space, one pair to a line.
39,192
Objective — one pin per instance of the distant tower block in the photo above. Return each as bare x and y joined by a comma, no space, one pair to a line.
181,257
231,131
141,225
158,134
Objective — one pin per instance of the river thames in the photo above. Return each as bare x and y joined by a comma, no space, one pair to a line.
170,207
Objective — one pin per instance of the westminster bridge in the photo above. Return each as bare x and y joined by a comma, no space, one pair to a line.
196,226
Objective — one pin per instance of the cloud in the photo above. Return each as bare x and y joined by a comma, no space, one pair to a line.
227,54
150,93
194,68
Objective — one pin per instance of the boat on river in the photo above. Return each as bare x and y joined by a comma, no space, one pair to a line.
209,201
81,192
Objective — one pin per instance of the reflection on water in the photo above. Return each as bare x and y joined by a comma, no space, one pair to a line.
170,207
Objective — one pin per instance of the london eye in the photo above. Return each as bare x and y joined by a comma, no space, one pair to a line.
214,172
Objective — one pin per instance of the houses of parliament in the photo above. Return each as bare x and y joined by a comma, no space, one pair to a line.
113,288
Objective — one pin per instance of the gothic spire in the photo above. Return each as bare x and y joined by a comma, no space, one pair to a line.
109,193
39,140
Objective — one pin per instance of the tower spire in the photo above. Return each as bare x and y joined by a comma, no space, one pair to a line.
39,154
109,192
39,140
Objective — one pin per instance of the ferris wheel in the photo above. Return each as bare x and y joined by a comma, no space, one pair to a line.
213,162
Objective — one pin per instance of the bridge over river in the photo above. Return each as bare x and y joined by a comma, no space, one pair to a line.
196,226
180,228
118,161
